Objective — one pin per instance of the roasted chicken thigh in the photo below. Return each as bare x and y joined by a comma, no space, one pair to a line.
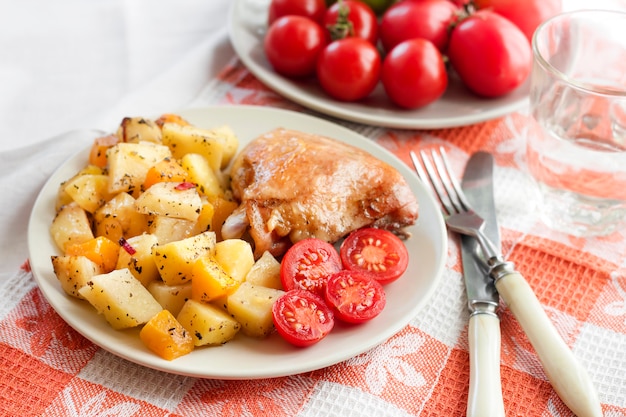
294,185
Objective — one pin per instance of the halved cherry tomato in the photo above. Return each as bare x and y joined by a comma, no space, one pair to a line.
375,252
302,318
313,9
308,264
354,296
292,45
352,18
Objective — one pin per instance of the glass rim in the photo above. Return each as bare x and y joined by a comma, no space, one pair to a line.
581,85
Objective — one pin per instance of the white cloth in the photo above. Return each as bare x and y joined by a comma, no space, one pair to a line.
67,63
71,64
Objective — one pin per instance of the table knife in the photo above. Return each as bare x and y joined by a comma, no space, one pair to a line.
485,389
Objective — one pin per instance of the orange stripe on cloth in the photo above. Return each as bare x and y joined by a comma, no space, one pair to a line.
562,277
27,386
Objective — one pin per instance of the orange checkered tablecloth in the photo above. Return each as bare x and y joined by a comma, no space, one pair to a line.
48,369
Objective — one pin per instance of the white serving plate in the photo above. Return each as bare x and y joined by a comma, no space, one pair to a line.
247,358
457,107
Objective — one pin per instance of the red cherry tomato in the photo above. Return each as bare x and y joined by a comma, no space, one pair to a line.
490,54
302,318
414,74
354,296
308,264
349,69
313,9
352,18
526,15
292,45
376,252
428,19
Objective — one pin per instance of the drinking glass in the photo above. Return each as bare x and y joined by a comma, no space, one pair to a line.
576,141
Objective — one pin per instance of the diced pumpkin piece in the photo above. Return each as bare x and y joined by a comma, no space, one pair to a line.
171,118
170,199
251,306
70,225
99,148
209,281
100,250
235,257
222,208
121,299
140,262
207,324
201,174
265,272
171,297
175,260
73,272
138,129
129,163
118,218
205,218
168,170
192,139
166,337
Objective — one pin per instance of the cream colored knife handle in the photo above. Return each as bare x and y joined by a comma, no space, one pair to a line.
568,378
485,389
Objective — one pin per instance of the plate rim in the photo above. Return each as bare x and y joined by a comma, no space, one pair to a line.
403,119
58,300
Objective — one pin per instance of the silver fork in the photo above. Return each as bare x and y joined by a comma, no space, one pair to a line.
568,378
461,218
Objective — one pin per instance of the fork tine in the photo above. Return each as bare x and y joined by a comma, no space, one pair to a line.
421,174
441,180
437,183
445,178
428,176
450,183
455,184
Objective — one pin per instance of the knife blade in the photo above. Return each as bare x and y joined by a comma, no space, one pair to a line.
485,390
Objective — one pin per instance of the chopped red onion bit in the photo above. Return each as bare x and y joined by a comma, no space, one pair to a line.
127,246
185,186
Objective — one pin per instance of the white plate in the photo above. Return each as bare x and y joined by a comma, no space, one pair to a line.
246,358
457,107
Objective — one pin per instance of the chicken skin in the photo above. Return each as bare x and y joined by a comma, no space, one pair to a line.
294,185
